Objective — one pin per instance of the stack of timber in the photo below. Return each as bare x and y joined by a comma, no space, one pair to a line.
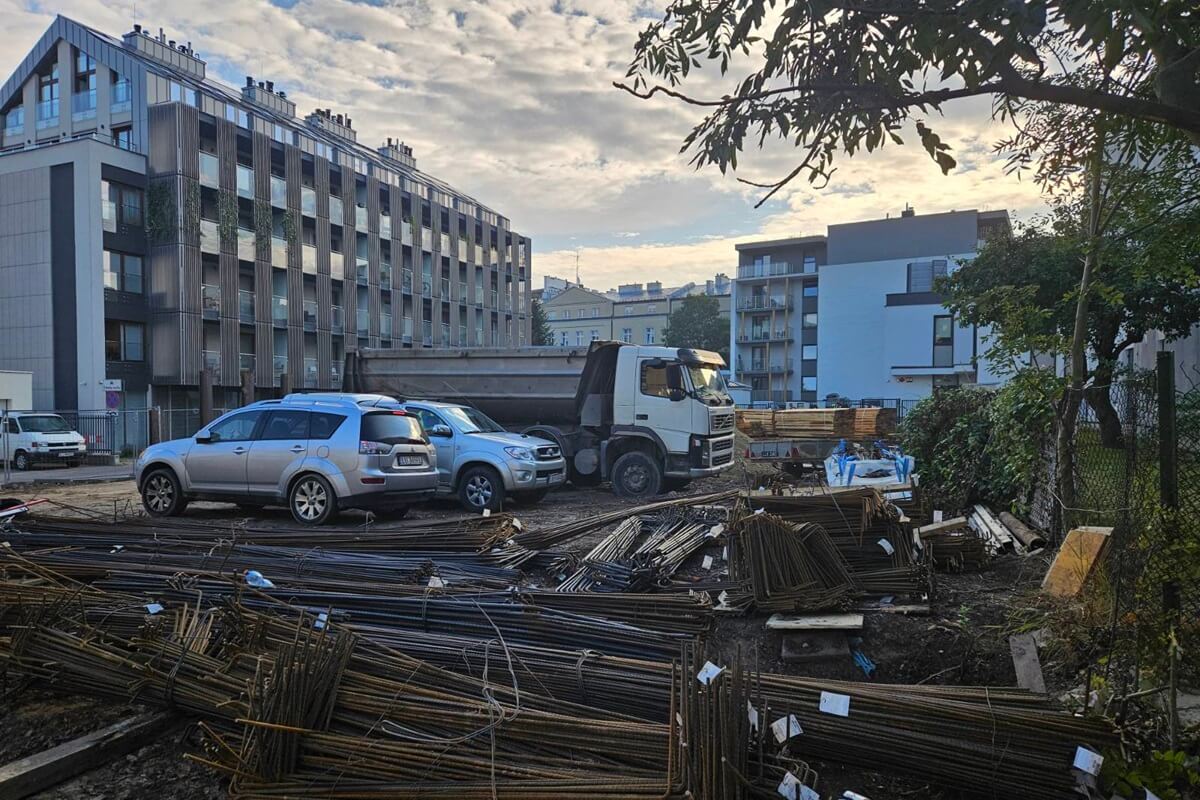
872,423
797,423
953,546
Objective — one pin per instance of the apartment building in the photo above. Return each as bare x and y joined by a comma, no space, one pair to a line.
156,223
634,312
854,312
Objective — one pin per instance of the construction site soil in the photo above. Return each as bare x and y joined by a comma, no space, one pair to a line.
963,640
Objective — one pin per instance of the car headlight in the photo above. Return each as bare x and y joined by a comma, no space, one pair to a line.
520,453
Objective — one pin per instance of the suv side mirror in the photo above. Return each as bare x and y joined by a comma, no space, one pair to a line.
441,431
204,438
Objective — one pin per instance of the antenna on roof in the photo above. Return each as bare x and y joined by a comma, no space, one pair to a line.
578,282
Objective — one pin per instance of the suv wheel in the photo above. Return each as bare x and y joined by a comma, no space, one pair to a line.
21,460
480,488
312,501
636,475
162,496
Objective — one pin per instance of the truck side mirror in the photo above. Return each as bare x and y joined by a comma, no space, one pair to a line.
675,390
442,431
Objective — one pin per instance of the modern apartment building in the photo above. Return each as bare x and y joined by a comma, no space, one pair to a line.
854,313
156,223
633,312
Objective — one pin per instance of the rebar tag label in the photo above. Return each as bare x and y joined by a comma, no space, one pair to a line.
836,704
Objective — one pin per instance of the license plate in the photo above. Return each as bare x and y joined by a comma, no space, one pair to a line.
409,461
556,477
65,455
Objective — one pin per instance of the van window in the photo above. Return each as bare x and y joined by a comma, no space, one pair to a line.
391,427
45,423
323,426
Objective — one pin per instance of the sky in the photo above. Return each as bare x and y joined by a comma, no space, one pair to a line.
512,103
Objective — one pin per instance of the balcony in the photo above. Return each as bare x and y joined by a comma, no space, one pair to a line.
406,330
444,242
765,303
310,315
337,265
245,182
337,213
246,362
246,247
495,298
279,311
363,322
445,342
385,326
385,227
462,293
426,239
121,96
462,336
337,319
406,281
478,296
765,335
360,218
278,192
210,236
279,252
210,170
362,271
14,121
768,270
479,337
311,373
779,396
210,301
47,114
308,201
462,248
406,233
308,258
83,105
335,376
278,366
478,255
445,288
385,276
212,360
246,306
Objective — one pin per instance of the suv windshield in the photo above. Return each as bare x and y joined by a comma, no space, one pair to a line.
392,427
709,384
47,423
471,420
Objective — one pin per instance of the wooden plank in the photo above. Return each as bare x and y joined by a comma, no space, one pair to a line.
816,622
1076,561
906,609
40,771
1026,663
945,525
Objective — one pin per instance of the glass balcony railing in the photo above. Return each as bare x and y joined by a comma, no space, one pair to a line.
308,201
360,218
445,342
212,360
479,337
279,311
385,326
385,227
337,319
210,301
246,245
444,241
337,213
478,296
279,252
426,239
210,236
362,271
311,374
278,192
406,329
245,182
310,315
246,306
83,104
335,376
426,286
478,255
210,170
308,258
363,321
462,293
445,286
495,298
246,362
462,335
121,96
427,332
406,281
47,114
108,215
767,270
406,233
337,265
14,121
279,365
385,276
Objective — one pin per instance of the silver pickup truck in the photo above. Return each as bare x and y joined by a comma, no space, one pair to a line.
481,462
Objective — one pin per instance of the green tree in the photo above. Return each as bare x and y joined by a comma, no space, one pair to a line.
697,323
542,335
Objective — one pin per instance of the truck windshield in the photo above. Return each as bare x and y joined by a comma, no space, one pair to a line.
709,385
47,423
471,420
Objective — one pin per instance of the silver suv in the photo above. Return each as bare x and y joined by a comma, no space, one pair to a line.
315,454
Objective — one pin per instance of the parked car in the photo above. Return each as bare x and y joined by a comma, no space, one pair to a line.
482,463
31,438
316,454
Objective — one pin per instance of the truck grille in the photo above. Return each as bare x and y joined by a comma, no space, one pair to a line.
547,452
722,458
721,444
721,423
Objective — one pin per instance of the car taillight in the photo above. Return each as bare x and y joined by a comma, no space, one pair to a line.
374,448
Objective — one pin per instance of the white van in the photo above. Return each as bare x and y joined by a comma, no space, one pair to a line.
30,438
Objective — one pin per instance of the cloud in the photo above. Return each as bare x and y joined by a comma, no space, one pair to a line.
511,102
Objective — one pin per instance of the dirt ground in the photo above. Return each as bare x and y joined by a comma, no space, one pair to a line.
963,641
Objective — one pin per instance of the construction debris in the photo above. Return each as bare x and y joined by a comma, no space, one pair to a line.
997,537
1076,561
1027,536
786,567
816,622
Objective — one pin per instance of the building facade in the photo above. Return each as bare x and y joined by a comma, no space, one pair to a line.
158,224
854,313
634,312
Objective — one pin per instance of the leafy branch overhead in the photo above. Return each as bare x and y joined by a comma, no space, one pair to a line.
838,75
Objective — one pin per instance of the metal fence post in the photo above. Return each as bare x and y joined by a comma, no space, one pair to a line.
4,436
1168,444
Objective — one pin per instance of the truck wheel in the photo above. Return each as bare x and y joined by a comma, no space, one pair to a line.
21,460
530,498
479,488
675,484
162,496
636,475
312,501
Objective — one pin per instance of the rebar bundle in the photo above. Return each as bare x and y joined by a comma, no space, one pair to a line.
786,567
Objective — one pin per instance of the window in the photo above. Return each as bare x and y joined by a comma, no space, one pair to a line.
120,205
654,378
123,341
122,272
810,320
651,309
237,428
810,290
429,420
578,338
564,339
595,334
628,310
285,425
549,315
808,352
627,335
595,311
810,265
322,426
649,335
943,341
809,383
85,73
922,274
123,137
